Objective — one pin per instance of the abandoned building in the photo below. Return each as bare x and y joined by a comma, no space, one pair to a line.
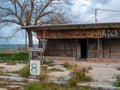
90,42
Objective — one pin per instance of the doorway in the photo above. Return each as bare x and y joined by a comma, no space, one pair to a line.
83,47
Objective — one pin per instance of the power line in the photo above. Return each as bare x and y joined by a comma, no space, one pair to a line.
103,10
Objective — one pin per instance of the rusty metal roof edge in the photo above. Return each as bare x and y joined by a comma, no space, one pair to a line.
77,26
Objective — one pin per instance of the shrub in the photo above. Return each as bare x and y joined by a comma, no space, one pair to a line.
33,86
117,83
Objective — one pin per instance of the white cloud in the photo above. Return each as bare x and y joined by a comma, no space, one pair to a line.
84,10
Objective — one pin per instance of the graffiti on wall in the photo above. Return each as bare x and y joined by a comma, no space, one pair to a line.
70,34
111,33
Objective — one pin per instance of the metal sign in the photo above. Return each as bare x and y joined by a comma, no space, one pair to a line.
35,67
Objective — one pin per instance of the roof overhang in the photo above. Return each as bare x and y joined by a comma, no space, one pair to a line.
73,26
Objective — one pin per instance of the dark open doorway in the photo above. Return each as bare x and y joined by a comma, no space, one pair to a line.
83,48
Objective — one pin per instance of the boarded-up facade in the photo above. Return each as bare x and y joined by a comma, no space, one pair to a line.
83,41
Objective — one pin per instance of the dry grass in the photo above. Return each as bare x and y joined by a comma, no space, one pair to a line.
56,69
11,63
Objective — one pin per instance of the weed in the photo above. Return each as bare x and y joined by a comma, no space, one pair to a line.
80,75
44,69
33,86
1,67
90,68
24,72
11,63
84,88
118,68
72,82
68,65
55,69
1,72
43,77
117,83
52,86
3,84
48,62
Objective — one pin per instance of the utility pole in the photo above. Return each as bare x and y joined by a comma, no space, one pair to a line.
96,15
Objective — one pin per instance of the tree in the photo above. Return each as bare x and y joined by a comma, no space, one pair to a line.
32,12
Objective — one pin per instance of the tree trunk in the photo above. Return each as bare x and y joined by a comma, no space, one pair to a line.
30,39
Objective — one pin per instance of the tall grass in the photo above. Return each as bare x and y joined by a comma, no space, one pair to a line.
68,65
24,72
52,86
33,86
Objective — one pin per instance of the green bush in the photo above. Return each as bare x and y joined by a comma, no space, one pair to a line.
33,86
117,83
19,56
14,56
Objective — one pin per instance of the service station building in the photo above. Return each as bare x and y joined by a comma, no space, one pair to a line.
98,42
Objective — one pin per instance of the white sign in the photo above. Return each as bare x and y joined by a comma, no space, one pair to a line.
35,67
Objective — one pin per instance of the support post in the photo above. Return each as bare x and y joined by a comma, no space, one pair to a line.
44,47
76,50
98,51
87,49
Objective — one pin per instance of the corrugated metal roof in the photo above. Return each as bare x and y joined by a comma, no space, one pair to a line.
73,26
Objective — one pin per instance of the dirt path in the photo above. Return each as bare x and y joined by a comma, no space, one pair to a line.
12,67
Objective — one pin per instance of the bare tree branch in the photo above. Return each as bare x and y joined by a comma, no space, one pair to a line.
33,12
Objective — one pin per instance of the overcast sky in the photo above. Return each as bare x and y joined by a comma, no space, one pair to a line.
83,12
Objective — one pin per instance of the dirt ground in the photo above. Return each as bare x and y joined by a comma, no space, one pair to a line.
101,72
12,67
